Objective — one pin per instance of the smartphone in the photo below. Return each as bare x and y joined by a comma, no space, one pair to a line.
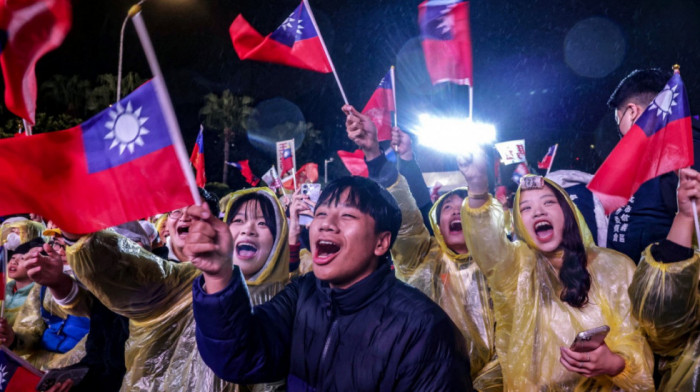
60,375
312,190
590,340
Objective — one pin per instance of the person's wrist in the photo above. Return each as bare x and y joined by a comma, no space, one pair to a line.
371,151
215,282
617,365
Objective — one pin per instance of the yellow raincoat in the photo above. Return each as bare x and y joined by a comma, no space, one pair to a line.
532,322
454,281
156,295
29,328
666,301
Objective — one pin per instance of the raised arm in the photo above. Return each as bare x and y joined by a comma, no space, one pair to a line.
664,290
239,343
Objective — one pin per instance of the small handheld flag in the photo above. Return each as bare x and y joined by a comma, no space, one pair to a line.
512,151
197,158
272,179
246,172
17,375
286,160
548,159
380,107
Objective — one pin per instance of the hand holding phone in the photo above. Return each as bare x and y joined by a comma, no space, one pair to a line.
53,376
590,340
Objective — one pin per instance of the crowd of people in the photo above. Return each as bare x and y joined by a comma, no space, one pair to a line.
382,290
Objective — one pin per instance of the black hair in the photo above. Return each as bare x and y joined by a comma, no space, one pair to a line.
25,247
640,87
368,197
211,199
459,192
268,210
573,273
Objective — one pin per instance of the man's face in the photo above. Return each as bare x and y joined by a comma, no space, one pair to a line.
451,225
626,115
344,244
178,225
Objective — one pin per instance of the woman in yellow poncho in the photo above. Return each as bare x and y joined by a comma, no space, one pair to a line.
666,296
549,286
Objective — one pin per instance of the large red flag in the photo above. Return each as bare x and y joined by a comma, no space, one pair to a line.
659,142
197,158
354,162
446,40
118,166
380,106
28,30
295,43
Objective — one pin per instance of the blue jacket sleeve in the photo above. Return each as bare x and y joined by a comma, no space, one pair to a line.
241,343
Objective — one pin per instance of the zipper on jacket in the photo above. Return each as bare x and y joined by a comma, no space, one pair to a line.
328,342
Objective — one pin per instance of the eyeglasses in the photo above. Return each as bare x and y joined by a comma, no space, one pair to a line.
57,246
177,214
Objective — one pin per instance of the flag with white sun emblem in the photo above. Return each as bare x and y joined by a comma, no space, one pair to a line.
446,40
295,43
16,374
118,166
660,141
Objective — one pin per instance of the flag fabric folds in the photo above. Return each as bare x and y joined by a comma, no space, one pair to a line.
244,167
380,106
546,162
659,142
118,166
354,162
197,158
28,30
295,43
444,26
16,374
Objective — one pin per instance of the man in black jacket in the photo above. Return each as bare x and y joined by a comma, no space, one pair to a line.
350,325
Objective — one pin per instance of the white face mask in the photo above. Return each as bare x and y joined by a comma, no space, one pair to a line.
13,241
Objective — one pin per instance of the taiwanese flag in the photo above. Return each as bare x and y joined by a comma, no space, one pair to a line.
286,161
520,171
28,30
16,374
118,166
354,162
295,43
659,142
546,162
446,41
197,158
380,106
244,167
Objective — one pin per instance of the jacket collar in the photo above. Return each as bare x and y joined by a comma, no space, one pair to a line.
359,295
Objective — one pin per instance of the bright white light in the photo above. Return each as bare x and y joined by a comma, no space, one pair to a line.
457,136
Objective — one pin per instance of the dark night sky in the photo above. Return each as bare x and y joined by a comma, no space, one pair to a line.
529,58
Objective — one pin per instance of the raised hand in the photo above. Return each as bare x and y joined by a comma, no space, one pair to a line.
401,141
681,231
45,267
300,203
209,247
361,131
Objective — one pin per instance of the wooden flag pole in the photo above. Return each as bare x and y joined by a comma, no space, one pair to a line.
328,56
164,100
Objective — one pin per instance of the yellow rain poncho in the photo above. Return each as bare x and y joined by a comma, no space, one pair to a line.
452,280
666,301
531,320
156,295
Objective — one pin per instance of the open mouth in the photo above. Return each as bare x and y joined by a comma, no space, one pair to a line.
456,226
182,231
246,250
325,251
544,230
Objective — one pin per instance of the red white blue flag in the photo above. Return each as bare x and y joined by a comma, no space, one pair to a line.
118,166
380,107
197,158
546,162
286,159
28,30
447,45
659,142
295,43
520,171
246,172
16,374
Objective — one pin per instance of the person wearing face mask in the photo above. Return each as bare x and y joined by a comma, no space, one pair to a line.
155,295
550,285
439,265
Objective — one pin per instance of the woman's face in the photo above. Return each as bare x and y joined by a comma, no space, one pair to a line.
451,225
542,217
252,238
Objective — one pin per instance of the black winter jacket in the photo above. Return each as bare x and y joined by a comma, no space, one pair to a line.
378,335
